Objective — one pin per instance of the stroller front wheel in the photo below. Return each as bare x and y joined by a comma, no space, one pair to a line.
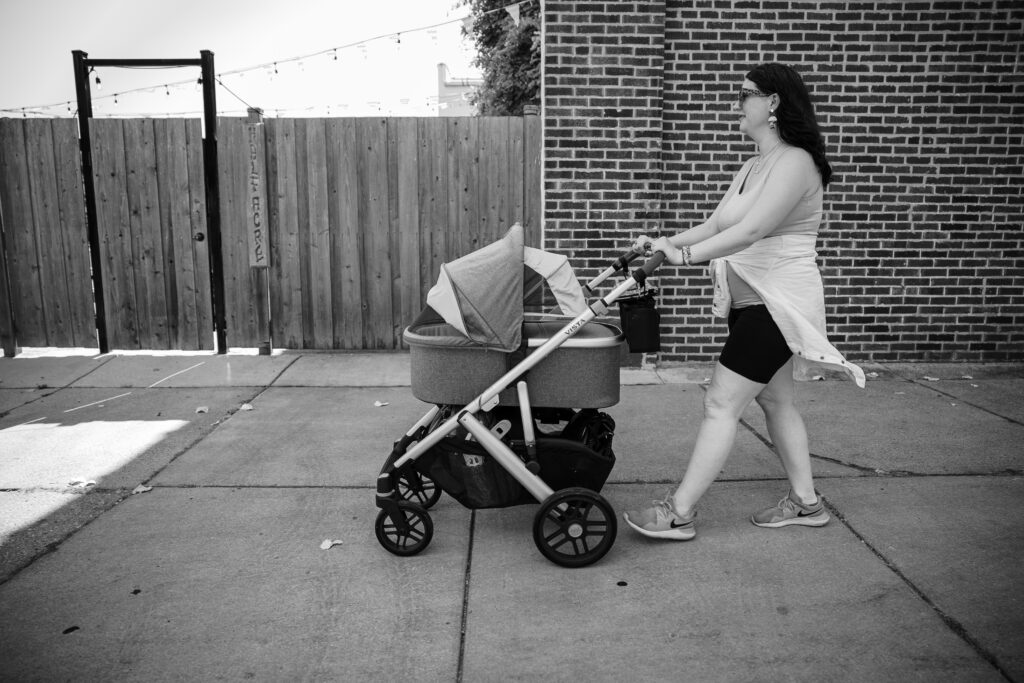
404,528
574,527
418,488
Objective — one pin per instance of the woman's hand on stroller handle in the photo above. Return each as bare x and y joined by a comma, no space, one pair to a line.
653,263
642,245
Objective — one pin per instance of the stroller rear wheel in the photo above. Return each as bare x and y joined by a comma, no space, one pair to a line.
574,527
404,528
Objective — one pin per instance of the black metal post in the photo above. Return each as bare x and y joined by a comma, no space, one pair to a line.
212,173
85,146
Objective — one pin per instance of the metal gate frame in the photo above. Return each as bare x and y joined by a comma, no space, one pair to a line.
82,64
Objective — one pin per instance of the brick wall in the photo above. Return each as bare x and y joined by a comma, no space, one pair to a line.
922,108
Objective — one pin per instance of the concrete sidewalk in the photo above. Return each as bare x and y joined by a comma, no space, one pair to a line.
161,518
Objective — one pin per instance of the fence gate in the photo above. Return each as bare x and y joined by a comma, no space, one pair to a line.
151,218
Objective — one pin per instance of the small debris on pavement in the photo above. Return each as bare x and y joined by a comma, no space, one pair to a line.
202,409
872,374
931,379
245,406
328,544
141,488
380,404
966,377
81,483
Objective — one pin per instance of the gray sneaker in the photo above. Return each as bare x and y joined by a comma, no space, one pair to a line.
789,511
661,521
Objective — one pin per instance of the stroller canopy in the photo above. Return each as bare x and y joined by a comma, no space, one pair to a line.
481,294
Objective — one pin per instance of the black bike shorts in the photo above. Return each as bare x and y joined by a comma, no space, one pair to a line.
755,348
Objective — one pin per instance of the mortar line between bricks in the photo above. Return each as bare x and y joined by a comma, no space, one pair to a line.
951,623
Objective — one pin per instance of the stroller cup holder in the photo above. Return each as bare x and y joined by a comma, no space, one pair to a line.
641,322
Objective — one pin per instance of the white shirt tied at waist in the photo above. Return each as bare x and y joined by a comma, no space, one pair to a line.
783,271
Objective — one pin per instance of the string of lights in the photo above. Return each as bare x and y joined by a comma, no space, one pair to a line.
271,68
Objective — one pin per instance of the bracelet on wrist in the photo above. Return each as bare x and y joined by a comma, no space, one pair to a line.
686,256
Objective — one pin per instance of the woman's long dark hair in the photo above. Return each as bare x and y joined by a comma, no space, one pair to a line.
796,122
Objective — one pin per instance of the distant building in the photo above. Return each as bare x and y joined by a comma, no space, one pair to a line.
453,93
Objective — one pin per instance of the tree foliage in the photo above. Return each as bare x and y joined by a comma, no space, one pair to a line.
508,55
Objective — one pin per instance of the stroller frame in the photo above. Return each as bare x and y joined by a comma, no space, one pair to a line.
574,527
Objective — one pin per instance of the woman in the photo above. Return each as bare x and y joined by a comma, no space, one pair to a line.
760,244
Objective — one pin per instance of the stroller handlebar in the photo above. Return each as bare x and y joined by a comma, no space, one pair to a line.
623,261
621,264
649,266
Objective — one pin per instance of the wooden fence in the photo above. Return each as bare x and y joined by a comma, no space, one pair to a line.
45,287
359,215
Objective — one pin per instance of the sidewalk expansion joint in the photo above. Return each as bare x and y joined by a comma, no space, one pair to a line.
339,487
960,399
460,668
951,622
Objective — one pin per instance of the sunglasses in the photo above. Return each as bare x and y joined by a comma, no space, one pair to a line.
748,92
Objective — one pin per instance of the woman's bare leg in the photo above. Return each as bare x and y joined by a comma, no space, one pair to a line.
787,431
727,397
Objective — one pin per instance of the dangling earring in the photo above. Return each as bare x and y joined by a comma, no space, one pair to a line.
771,119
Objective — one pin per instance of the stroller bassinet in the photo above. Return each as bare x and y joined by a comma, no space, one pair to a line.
582,373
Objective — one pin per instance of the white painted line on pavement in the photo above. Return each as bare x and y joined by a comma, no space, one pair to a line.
173,375
71,410
30,422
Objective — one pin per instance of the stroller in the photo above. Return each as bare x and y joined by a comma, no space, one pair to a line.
516,400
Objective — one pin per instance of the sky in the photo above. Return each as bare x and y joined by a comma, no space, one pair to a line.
382,65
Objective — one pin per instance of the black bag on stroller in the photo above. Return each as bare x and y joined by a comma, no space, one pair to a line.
579,455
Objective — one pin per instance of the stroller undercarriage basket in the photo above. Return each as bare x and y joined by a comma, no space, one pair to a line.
579,455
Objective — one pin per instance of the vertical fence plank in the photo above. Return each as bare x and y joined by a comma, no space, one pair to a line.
234,159
320,334
8,342
408,283
46,219
346,236
200,253
533,179
176,232
146,236
488,177
285,258
499,203
515,206
74,232
19,227
458,238
305,312
373,218
113,220
433,200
